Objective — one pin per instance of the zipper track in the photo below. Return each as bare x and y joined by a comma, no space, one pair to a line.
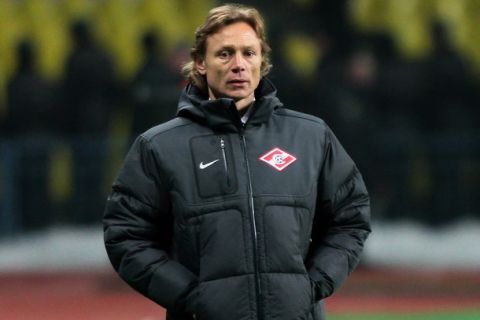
225,164
251,207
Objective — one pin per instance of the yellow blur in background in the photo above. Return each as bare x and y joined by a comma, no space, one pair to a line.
118,24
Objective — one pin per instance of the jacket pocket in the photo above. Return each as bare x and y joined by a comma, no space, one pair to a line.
310,315
214,165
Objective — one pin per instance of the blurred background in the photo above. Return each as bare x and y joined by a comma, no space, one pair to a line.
398,82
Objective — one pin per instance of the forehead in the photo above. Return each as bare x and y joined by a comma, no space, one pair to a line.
235,34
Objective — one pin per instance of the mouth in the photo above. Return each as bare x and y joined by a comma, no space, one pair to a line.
237,81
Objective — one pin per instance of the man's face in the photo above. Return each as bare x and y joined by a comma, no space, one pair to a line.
232,63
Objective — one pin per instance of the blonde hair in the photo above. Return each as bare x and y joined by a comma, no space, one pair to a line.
217,18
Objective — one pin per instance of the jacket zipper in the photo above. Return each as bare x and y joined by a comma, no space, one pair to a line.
225,164
251,207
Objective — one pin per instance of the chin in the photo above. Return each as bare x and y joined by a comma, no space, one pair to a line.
238,95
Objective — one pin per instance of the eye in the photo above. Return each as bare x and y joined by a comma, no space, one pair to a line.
224,54
250,53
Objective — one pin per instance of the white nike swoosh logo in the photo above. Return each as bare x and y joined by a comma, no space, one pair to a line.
206,165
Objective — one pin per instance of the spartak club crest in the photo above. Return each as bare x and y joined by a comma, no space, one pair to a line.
278,158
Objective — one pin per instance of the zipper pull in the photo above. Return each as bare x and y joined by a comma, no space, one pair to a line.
225,164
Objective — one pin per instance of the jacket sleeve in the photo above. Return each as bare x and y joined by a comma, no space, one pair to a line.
138,230
342,220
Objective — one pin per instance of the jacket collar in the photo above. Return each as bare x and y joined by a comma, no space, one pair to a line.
222,114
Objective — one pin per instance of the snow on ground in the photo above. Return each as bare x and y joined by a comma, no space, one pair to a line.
54,250
409,244
392,245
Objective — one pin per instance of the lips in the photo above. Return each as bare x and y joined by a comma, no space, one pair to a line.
237,82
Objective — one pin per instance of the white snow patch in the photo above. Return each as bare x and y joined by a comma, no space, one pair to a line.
408,244
54,250
405,244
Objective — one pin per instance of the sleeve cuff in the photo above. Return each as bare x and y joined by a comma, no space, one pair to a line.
169,283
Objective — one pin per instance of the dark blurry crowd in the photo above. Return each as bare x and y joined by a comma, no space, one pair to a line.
411,125
78,113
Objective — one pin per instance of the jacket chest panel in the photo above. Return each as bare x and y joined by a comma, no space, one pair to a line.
282,163
214,167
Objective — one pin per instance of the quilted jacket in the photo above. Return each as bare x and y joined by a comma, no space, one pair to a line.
214,219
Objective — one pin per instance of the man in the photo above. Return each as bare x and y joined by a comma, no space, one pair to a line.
238,208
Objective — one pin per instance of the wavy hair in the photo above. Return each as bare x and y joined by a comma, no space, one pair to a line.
217,18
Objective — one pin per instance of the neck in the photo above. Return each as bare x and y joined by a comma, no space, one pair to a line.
241,104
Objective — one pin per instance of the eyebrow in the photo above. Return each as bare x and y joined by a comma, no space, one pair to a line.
232,47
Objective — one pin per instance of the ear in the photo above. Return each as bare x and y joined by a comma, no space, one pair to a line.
200,66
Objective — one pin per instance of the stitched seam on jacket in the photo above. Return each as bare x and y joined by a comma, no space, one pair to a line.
149,138
251,274
120,190
317,120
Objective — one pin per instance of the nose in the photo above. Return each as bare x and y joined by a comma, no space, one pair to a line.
238,63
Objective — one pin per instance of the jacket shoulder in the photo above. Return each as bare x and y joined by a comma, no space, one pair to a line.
300,116
165,127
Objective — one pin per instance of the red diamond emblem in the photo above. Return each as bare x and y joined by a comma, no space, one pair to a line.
278,158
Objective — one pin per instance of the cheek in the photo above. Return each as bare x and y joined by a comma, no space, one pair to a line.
220,73
214,77
257,67
216,73
256,70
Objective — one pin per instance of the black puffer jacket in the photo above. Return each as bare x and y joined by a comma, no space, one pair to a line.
232,222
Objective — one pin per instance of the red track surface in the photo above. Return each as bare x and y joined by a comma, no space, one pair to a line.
401,291
71,296
388,304
101,296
